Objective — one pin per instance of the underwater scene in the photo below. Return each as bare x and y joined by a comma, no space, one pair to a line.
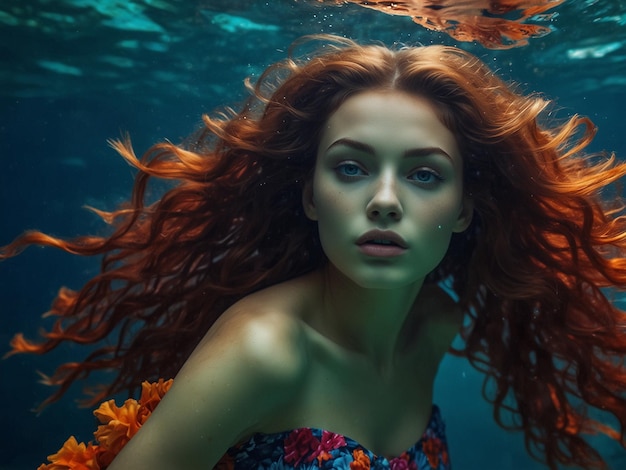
76,73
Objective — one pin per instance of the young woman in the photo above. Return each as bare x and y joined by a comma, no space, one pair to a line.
323,247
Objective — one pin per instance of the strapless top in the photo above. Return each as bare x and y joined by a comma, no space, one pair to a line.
311,448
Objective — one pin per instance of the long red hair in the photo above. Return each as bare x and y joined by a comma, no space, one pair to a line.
537,272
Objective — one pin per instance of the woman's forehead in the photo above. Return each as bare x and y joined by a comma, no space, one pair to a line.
388,119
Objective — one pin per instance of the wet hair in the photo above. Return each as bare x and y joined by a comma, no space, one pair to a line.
537,271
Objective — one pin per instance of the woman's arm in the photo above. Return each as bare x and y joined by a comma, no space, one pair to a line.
241,374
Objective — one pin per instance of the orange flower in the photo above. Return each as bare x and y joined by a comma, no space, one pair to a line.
105,457
151,395
225,463
444,457
432,447
361,461
323,457
73,456
118,424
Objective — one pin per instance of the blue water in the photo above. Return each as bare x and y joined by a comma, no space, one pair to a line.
76,73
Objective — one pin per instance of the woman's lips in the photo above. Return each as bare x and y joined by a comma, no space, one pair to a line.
382,238
381,244
381,251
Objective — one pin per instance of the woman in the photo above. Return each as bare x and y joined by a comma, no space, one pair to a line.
292,280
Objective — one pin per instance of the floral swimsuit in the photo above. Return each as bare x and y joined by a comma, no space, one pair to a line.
308,449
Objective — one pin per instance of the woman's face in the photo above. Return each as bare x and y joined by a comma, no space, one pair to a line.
387,189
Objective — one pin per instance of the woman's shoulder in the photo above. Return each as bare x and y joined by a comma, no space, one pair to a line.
263,331
249,366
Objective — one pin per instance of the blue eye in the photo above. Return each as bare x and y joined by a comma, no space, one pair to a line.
349,170
425,176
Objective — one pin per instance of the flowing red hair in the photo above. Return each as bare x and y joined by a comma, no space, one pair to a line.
537,272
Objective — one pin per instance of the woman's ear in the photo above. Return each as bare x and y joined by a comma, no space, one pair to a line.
465,216
308,201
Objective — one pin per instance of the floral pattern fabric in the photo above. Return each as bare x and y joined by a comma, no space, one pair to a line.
309,449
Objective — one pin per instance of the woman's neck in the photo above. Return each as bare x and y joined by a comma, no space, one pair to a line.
367,321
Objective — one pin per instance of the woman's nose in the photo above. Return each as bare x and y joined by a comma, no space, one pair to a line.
385,203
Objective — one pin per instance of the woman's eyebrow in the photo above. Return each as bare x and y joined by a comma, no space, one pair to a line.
366,148
354,144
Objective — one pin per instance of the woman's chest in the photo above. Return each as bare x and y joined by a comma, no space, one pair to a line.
386,413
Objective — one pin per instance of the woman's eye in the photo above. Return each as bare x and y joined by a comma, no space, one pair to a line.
349,170
425,176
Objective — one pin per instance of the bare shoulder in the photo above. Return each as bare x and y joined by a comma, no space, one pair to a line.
248,367
261,334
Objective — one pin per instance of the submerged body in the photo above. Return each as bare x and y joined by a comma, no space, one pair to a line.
331,350
270,365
